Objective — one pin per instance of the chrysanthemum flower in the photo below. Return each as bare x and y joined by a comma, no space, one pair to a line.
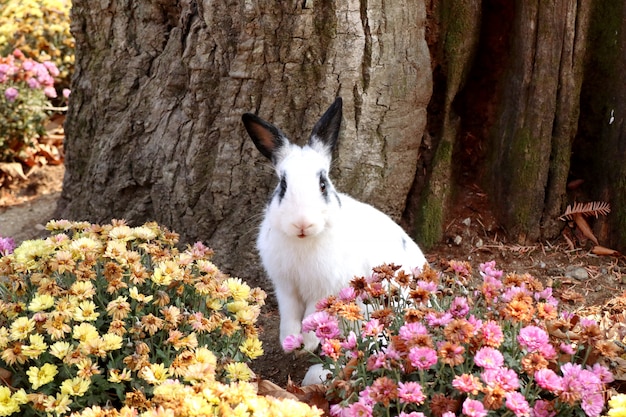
251,347
21,328
238,371
41,302
473,408
155,373
75,387
410,393
39,376
489,358
422,357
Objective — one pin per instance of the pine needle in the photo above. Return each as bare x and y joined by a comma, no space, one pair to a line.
593,208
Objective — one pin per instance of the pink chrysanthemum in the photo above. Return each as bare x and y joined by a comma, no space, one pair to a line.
293,342
533,338
409,331
488,358
473,408
467,383
543,408
491,333
549,380
410,393
323,324
516,402
504,378
459,307
422,357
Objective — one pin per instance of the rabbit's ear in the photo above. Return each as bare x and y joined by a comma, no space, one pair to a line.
267,138
326,130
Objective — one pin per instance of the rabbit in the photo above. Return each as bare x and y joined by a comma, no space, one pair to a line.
314,240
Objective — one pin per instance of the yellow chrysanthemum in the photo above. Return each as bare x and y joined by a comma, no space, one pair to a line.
166,272
112,341
117,376
75,387
83,290
144,233
116,249
8,403
21,328
85,331
238,371
58,405
252,347
4,337
617,406
41,302
86,311
134,294
239,290
155,373
36,347
41,376
122,232
85,245
60,349
28,254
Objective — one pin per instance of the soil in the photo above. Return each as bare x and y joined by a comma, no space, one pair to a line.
579,277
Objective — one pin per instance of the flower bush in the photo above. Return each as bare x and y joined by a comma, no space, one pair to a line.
26,86
174,399
41,29
117,315
435,344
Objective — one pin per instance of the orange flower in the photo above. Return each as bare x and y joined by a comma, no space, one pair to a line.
384,390
451,353
547,311
519,310
533,362
151,324
459,330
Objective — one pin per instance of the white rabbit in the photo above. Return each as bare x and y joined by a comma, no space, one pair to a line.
313,240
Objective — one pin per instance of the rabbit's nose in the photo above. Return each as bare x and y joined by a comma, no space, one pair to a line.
303,228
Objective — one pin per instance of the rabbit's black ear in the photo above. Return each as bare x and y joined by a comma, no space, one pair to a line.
267,138
326,130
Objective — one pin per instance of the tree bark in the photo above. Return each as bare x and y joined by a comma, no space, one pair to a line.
504,113
600,146
538,116
154,131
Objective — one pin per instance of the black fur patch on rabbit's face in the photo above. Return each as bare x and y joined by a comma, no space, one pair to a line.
324,185
282,187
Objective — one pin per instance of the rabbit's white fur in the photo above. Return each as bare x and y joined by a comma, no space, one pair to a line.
313,240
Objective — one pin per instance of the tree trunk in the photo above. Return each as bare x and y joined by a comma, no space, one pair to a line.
504,113
600,146
538,115
154,130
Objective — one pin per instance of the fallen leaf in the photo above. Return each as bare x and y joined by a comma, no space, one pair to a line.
5,376
583,226
13,169
601,250
571,295
265,387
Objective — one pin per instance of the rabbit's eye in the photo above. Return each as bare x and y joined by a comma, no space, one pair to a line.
323,185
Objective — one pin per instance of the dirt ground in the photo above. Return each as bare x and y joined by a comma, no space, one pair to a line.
579,277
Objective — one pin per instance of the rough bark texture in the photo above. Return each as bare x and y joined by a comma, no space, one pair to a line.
538,115
505,110
154,130
455,49
600,146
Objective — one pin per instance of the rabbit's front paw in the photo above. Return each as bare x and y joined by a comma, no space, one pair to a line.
311,342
